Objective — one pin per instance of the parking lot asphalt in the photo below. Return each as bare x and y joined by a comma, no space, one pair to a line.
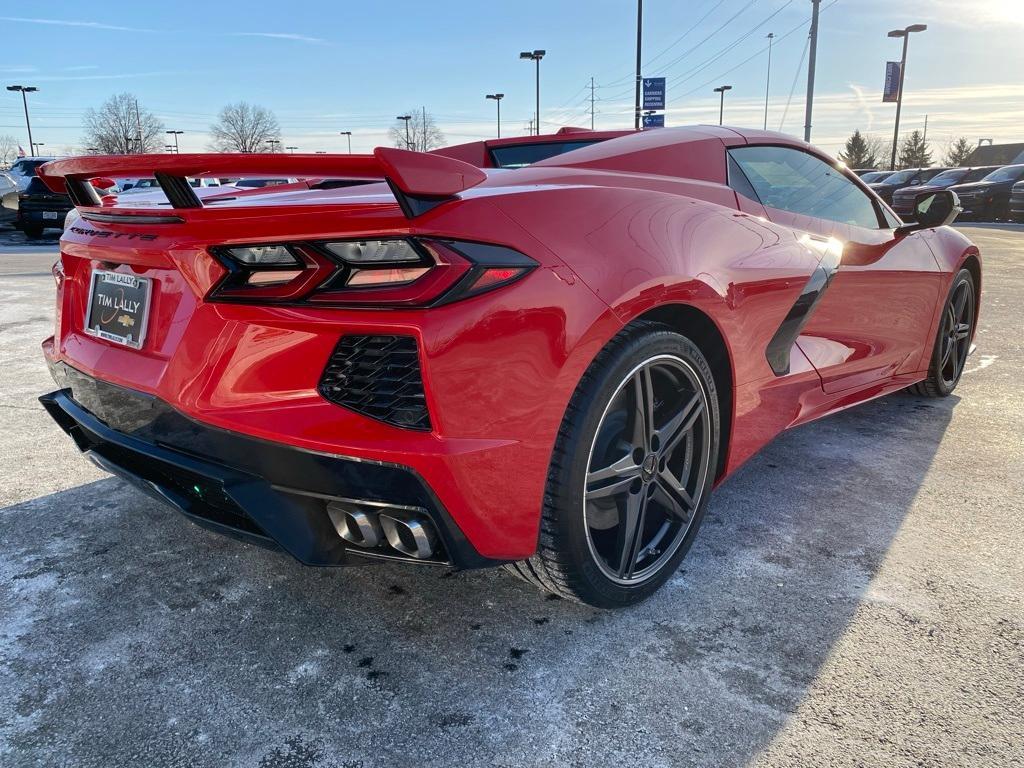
854,599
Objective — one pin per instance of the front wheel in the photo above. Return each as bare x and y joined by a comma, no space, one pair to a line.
956,329
631,471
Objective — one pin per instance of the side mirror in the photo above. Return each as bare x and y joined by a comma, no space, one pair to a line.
933,209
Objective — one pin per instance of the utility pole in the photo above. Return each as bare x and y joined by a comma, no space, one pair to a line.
768,79
423,127
810,69
924,139
905,34
25,89
639,44
591,103
138,128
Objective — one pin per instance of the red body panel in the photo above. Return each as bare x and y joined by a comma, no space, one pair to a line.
618,229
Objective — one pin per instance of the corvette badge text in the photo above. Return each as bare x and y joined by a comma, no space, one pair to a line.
113,235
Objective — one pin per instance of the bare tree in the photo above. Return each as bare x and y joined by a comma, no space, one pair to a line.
120,127
8,150
244,127
878,148
424,134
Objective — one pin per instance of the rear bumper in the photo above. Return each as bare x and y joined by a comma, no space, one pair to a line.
45,216
269,493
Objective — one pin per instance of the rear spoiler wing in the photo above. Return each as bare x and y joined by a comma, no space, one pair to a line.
418,180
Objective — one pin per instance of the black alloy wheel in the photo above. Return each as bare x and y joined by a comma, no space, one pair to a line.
646,470
953,344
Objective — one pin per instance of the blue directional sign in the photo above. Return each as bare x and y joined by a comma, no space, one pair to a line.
654,93
653,121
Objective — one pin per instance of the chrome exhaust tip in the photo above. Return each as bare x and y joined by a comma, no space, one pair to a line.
411,537
354,525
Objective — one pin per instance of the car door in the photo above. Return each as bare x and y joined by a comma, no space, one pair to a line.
873,318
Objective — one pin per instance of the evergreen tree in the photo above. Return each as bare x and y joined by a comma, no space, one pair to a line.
957,152
914,152
859,152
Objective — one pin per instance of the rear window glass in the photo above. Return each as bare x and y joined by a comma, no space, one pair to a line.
520,155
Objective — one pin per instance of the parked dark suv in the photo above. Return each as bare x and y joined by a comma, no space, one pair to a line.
38,207
989,199
1017,202
903,199
908,177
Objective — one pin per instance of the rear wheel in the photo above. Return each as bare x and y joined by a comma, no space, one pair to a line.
631,471
956,328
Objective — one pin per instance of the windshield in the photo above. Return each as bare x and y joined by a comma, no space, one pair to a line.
1009,173
902,177
26,167
874,177
977,174
948,178
520,155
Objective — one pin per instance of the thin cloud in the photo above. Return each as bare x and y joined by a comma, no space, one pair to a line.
282,36
81,68
73,23
120,76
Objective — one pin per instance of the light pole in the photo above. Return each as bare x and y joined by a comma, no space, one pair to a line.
291,149
176,134
905,34
639,44
37,145
497,100
811,63
24,100
408,141
348,135
721,103
768,79
170,148
535,56
273,145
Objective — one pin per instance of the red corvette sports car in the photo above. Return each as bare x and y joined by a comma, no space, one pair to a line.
547,365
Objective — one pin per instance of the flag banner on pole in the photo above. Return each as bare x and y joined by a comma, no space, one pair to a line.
892,81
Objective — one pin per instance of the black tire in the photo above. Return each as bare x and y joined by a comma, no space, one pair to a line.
944,372
33,231
569,561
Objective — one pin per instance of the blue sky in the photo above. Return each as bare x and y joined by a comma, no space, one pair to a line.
323,67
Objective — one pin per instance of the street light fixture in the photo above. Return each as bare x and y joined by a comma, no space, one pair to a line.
273,145
291,149
905,34
176,134
348,135
535,56
497,97
721,104
408,140
36,151
24,100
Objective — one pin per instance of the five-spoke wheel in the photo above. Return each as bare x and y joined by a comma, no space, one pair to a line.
646,469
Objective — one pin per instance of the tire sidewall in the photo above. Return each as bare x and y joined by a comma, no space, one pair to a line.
936,365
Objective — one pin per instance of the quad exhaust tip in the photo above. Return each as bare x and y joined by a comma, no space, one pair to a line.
365,527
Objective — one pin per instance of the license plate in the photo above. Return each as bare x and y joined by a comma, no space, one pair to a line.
118,307
51,214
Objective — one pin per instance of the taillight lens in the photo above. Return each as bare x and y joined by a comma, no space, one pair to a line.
396,272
